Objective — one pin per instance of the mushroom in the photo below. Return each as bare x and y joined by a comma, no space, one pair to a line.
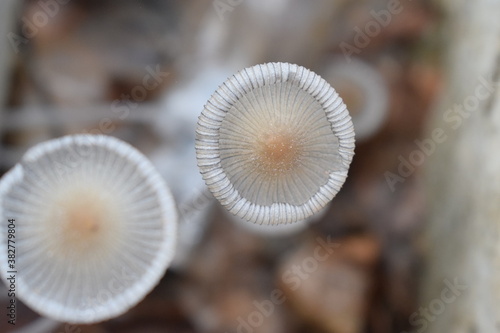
175,124
274,143
271,230
364,91
94,227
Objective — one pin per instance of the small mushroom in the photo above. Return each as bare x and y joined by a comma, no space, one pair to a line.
274,143
94,227
364,91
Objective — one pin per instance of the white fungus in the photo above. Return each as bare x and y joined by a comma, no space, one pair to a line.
271,230
274,143
365,92
95,227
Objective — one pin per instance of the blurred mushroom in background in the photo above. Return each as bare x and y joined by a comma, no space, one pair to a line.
364,92
94,227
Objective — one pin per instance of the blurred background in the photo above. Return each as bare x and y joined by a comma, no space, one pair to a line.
141,70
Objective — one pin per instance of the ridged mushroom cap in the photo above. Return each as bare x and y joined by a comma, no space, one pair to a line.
274,143
95,227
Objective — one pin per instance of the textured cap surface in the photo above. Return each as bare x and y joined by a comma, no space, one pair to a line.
94,227
274,143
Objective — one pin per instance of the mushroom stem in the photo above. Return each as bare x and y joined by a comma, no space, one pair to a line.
24,118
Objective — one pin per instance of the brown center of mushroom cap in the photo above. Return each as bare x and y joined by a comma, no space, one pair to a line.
85,220
277,152
276,145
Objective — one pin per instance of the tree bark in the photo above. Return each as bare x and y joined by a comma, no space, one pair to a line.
463,180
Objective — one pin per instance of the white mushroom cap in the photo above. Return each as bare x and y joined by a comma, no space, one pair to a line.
277,230
95,227
274,143
271,230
